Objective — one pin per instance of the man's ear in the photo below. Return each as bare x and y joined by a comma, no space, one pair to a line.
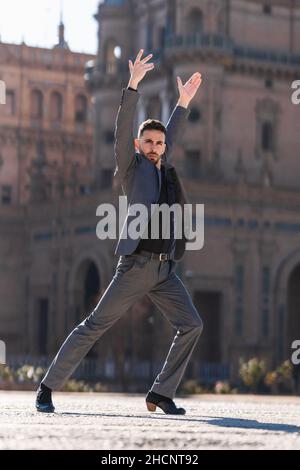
136,144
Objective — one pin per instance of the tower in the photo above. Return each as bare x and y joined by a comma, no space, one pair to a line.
62,43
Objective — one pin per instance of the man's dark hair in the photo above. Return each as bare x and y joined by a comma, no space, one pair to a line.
151,125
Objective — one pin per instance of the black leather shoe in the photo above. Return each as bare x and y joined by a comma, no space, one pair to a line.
166,404
45,407
44,400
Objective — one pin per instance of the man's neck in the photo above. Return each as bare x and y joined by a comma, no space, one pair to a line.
158,164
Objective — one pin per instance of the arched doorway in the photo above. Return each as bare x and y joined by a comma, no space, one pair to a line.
208,304
293,309
87,293
91,287
286,320
87,289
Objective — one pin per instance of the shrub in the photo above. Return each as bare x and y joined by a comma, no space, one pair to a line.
271,378
191,387
73,385
76,386
99,387
222,387
6,374
252,373
281,380
28,373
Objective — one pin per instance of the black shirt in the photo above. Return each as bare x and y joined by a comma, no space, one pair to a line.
167,196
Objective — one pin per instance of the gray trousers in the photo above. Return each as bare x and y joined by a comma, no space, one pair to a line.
135,276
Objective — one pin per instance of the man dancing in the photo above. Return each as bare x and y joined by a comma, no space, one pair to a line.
146,265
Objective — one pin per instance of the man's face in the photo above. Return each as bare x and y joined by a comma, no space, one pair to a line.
152,145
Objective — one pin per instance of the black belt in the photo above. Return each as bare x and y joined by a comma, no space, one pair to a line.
150,255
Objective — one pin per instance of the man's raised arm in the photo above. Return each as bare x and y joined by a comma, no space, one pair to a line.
180,113
124,140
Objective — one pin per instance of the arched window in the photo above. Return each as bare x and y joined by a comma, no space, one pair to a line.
154,108
267,124
80,109
36,104
161,35
267,137
149,35
195,21
193,163
112,55
56,106
195,114
10,107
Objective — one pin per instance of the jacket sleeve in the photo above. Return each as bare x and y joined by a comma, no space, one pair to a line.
175,126
124,140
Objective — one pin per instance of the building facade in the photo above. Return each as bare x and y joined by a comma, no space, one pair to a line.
239,155
46,137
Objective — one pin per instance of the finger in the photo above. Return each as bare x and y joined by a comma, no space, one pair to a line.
196,76
146,58
130,65
148,69
197,80
138,57
179,82
148,66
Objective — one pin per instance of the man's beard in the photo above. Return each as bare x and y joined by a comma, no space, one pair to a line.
154,158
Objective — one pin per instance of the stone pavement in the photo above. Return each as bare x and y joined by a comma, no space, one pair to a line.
117,421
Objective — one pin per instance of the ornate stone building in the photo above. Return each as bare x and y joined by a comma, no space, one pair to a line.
45,160
239,155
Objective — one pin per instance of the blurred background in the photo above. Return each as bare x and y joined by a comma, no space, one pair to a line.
64,65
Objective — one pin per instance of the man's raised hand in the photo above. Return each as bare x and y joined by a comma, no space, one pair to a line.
189,89
139,68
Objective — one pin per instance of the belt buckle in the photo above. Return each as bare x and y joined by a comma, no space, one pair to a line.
163,257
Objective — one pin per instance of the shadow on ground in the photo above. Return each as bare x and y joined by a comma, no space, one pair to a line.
214,421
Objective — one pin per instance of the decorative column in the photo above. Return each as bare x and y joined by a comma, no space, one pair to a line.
266,251
141,111
165,106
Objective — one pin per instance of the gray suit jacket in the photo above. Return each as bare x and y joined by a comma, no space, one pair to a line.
140,179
